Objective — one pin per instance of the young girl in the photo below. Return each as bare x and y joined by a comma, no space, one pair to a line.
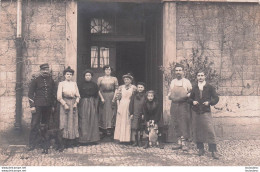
137,115
151,111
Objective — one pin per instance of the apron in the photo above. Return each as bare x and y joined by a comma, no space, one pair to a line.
180,114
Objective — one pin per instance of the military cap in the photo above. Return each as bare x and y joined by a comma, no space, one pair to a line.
44,66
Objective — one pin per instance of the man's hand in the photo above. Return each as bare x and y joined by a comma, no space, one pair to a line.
131,116
195,102
142,117
103,100
33,110
206,103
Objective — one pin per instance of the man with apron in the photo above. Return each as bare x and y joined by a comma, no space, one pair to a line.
180,109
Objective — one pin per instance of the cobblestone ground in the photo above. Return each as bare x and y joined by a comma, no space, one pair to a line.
233,153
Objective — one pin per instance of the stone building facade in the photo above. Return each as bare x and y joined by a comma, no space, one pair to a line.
227,32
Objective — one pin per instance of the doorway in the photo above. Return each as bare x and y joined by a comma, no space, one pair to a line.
131,59
126,36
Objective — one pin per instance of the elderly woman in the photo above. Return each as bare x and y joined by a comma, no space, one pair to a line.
123,121
88,117
68,96
108,86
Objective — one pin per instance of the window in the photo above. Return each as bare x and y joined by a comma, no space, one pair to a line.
99,56
100,26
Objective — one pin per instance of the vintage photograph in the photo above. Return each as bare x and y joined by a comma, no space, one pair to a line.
130,83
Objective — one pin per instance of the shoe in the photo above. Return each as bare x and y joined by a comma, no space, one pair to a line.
201,152
161,146
31,148
146,145
214,155
140,144
135,144
185,148
176,147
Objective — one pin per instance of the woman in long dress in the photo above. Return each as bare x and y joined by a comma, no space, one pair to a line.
88,117
108,86
68,96
123,121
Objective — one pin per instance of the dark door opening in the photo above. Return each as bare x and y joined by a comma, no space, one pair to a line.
131,59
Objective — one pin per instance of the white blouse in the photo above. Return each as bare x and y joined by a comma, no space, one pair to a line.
67,89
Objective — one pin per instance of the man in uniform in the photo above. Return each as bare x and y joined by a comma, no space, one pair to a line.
180,109
41,98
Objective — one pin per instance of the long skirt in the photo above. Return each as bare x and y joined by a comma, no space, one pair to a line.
123,122
180,122
203,128
107,111
69,121
88,121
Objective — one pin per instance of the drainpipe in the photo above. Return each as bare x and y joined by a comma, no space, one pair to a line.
19,68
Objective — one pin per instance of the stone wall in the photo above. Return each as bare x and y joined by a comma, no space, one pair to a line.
229,35
7,63
44,34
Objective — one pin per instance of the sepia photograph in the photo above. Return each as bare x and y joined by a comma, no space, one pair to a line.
129,83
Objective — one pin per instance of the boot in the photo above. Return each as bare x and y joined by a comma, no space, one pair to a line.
201,152
140,141
146,145
136,141
214,155
178,145
184,145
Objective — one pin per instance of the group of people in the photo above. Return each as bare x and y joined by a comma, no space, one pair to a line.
91,111
191,118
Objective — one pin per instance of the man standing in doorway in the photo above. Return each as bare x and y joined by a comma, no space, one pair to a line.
180,109
41,98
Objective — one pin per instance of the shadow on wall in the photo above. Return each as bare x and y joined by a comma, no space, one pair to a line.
15,137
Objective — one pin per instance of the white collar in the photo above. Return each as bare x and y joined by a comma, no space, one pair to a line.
201,85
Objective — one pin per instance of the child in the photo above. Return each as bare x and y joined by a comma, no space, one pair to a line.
136,111
152,113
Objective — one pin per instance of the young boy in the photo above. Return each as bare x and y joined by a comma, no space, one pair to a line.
137,115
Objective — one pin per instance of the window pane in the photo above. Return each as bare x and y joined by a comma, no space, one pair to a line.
95,25
104,56
106,26
101,26
94,57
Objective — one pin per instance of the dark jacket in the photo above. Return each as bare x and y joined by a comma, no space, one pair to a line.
208,94
88,89
152,111
42,91
137,103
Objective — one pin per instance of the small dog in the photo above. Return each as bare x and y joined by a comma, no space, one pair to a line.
47,136
153,133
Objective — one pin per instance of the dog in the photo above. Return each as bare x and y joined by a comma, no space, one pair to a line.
153,133
48,135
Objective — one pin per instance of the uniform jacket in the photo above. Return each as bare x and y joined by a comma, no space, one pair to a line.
42,91
208,94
